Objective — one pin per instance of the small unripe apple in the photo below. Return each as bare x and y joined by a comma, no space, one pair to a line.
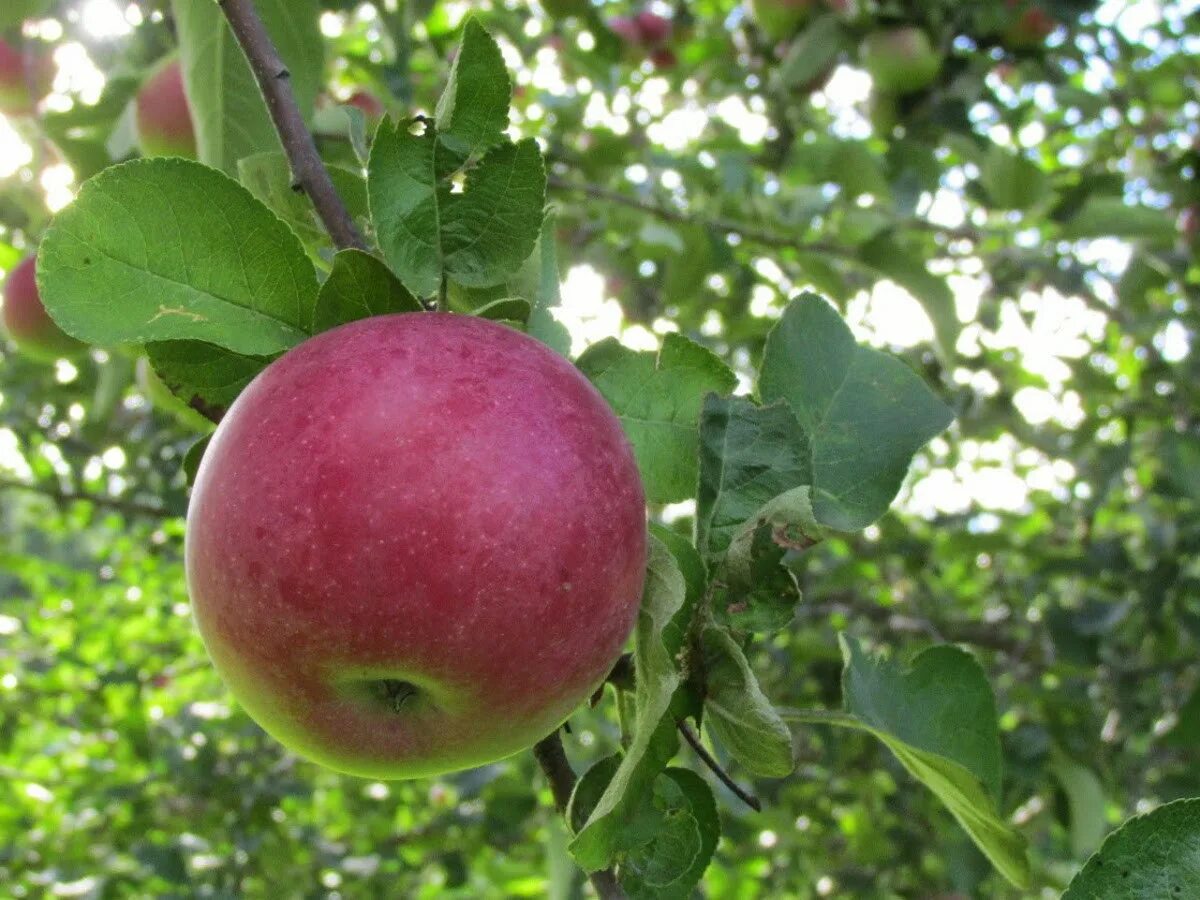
164,117
24,79
416,543
161,398
26,321
372,107
780,19
900,60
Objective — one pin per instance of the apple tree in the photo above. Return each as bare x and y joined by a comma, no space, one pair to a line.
653,450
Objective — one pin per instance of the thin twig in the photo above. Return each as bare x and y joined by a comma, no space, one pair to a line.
308,172
557,769
715,767
128,507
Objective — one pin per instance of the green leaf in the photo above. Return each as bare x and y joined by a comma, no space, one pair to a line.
196,371
477,237
753,589
939,718
672,862
748,456
1150,857
168,249
230,114
658,399
864,412
358,287
1011,180
268,176
1113,217
890,259
811,54
193,458
654,742
17,11
1085,803
473,110
547,293
737,713
506,309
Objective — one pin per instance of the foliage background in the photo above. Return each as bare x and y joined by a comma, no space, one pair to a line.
1015,239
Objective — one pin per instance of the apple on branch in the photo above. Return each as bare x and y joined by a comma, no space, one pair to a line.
900,60
164,117
26,321
415,544
26,76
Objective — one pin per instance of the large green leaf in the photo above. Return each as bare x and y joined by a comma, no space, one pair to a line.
654,740
203,374
737,713
1150,857
658,398
749,455
1011,180
672,862
939,718
473,110
1113,217
429,229
358,287
168,249
231,117
864,412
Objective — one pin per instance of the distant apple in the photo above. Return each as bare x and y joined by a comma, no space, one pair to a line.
901,60
781,19
626,29
25,78
415,544
161,398
26,321
1189,225
1030,28
653,28
664,58
372,107
164,118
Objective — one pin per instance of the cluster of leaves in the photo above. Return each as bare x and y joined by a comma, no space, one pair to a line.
1096,580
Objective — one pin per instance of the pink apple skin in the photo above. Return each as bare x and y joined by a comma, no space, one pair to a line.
164,117
652,27
626,29
20,87
26,321
416,543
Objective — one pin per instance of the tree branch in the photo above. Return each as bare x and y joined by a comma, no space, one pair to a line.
557,769
127,507
715,767
308,172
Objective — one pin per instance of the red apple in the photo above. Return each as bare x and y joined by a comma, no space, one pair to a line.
416,544
901,60
626,29
25,78
371,106
1030,28
780,19
28,324
653,28
164,118
664,58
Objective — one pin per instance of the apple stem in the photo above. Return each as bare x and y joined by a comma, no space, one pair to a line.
715,767
556,767
308,171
